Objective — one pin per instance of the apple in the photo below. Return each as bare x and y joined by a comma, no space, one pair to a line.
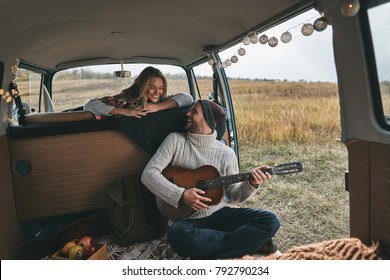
86,241
89,251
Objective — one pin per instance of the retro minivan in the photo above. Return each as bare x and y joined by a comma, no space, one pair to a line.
56,158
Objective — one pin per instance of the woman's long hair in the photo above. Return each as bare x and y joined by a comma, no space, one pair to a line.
137,91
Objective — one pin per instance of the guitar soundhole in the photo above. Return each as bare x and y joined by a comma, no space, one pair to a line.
202,185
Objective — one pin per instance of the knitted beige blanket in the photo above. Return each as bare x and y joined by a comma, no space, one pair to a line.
338,249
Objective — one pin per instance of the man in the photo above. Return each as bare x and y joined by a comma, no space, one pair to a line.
214,231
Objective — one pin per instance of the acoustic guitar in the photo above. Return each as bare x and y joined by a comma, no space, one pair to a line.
208,179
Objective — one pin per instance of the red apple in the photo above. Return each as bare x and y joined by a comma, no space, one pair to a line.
88,252
86,242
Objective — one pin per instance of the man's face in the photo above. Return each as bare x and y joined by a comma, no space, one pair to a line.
195,119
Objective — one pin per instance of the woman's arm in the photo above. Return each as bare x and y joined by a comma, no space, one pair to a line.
182,99
97,107
136,113
173,101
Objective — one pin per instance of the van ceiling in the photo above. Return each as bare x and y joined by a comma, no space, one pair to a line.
52,33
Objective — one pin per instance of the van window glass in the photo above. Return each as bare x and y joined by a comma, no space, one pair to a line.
286,108
29,85
204,81
379,20
278,89
72,88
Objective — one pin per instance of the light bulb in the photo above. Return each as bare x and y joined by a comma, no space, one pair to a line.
286,37
210,61
241,51
234,59
320,24
254,39
263,39
272,42
349,8
217,65
307,29
228,62
246,41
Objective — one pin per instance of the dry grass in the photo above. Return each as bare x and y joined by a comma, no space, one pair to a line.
286,113
313,206
282,122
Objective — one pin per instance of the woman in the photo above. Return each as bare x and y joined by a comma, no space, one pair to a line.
147,94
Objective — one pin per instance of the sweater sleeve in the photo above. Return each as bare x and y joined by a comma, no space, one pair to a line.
152,176
182,99
237,192
98,108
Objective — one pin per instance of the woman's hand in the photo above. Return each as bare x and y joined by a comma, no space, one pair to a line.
155,107
151,108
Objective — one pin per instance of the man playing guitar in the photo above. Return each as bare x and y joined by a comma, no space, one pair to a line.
211,228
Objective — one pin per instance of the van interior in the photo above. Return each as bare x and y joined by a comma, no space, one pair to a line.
56,159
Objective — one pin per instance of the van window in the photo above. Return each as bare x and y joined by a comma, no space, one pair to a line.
379,20
279,85
30,84
204,82
286,108
72,88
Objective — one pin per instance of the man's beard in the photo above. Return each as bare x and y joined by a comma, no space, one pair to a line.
191,127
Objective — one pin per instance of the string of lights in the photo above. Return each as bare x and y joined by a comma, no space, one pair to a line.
12,91
348,8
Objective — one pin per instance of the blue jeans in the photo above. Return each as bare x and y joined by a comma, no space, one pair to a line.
227,233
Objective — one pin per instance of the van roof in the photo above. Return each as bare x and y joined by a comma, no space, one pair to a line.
63,34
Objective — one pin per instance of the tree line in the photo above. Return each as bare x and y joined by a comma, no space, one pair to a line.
85,73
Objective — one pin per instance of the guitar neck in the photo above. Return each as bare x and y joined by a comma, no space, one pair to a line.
227,180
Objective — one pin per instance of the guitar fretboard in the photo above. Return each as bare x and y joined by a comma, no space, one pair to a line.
226,180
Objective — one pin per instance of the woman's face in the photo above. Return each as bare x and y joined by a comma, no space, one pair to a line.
155,89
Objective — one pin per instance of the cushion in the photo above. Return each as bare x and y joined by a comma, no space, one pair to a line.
60,117
150,131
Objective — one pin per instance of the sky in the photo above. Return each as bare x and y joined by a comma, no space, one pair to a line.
379,23
304,57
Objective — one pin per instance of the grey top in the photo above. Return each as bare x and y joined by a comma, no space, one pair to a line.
97,107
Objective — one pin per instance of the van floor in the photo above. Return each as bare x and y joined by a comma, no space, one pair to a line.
156,249
46,236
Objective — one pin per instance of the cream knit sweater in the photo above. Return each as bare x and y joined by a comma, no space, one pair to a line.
189,150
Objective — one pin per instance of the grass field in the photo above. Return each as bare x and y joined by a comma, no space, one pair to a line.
282,122
276,122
